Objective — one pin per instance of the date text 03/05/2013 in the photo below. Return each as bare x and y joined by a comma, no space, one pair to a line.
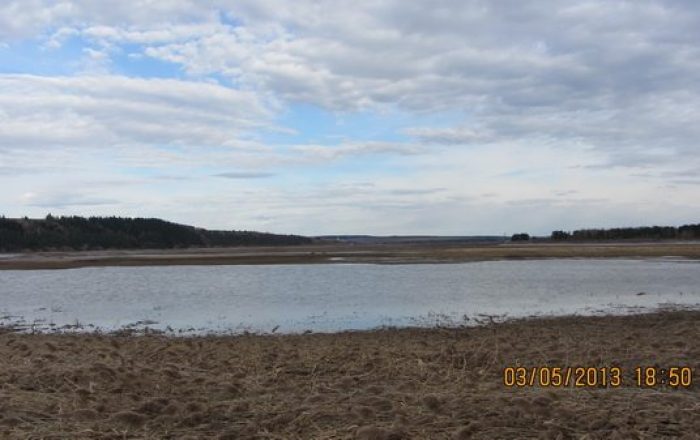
598,377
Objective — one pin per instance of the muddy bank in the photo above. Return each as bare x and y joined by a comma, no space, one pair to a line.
347,253
385,384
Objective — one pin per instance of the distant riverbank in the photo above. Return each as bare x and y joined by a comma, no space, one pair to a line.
348,253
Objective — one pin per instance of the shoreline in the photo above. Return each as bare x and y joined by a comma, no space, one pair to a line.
441,323
381,384
344,254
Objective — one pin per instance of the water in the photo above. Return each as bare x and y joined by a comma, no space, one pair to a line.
335,297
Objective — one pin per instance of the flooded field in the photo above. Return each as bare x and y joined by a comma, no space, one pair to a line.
295,298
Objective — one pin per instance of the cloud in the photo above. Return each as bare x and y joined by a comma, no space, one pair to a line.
109,111
356,148
26,18
683,176
416,191
14,171
63,200
530,102
244,175
451,135
616,76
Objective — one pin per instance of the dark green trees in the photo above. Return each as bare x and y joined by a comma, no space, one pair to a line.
520,237
123,233
686,232
560,235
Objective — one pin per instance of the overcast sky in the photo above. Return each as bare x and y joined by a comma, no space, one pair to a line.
352,117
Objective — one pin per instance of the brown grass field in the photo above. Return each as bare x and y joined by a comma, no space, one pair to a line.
347,253
385,384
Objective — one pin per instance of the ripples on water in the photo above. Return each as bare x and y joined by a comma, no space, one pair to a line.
331,297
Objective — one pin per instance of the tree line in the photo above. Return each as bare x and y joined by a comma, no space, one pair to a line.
81,233
685,232
520,237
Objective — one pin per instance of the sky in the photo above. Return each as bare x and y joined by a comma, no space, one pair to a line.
449,117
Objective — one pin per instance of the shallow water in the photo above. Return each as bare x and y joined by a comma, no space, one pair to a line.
331,297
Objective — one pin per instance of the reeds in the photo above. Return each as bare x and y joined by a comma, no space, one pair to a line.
383,384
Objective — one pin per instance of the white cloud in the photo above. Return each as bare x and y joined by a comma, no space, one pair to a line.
60,201
244,174
330,152
617,76
111,111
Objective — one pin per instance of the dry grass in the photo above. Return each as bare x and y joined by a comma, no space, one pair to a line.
387,384
349,254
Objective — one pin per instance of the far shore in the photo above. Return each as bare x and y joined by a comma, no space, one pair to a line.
347,253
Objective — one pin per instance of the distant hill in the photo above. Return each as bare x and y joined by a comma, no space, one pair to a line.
124,233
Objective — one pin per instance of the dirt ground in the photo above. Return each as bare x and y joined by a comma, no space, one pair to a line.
349,253
383,384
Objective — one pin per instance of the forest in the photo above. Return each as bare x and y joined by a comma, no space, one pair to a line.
95,233
685,232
